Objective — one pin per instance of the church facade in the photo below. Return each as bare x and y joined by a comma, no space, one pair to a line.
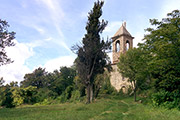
121,42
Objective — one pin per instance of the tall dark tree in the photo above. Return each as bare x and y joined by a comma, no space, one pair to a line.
6,40
91,55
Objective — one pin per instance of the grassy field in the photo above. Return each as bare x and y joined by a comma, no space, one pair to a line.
101,109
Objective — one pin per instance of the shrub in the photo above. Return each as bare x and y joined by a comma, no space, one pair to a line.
62,98
75,95
17,96
105,85
68,92
7,100
47,101
44,93
166,99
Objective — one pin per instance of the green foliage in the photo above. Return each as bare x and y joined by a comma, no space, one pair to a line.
103,85
62,98
79,85
68,92
21,96
166,99
75,95
6,40
133,65
66,95
162,44
47,101
37,78
18,96
48,85
7,100
44,93
29,93
62,79
13,84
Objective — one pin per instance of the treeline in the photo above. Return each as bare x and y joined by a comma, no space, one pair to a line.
154,67
41,87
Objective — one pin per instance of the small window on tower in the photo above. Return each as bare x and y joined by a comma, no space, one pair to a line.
127,45
117,46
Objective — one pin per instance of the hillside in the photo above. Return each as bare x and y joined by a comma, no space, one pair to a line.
109,108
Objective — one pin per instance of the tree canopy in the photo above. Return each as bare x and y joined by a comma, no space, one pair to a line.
163,43
133,65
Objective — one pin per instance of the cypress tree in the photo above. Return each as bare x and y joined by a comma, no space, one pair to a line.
92,56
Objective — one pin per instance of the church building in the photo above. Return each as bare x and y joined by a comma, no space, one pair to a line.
122,41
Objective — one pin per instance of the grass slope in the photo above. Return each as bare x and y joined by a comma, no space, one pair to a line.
101,109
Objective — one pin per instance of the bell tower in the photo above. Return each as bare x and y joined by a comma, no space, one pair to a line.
122,41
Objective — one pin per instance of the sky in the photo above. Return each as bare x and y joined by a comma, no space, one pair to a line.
47,29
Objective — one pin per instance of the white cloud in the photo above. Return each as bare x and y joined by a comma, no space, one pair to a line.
15,71
56,63
168,6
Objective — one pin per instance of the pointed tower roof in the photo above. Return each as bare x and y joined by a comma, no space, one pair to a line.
122,31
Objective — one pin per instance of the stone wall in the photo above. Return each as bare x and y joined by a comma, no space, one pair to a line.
117,81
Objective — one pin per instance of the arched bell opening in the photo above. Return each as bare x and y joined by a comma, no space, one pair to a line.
117,46
123,88
127,45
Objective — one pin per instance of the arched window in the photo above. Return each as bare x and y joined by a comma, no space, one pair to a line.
123,88
127,45
117,46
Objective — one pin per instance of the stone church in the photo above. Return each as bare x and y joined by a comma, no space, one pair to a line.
122,41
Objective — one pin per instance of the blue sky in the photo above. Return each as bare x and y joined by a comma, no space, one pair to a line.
46,29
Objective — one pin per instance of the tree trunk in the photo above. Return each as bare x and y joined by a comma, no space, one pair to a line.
91,93
135,95
88,94
134,91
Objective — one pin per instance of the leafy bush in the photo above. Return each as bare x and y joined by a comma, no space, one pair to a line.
66,95
18,96
2,95
102,82
68,92
44,93
30,93
166,99
7,100
79,86
62,98
46,101
75,95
